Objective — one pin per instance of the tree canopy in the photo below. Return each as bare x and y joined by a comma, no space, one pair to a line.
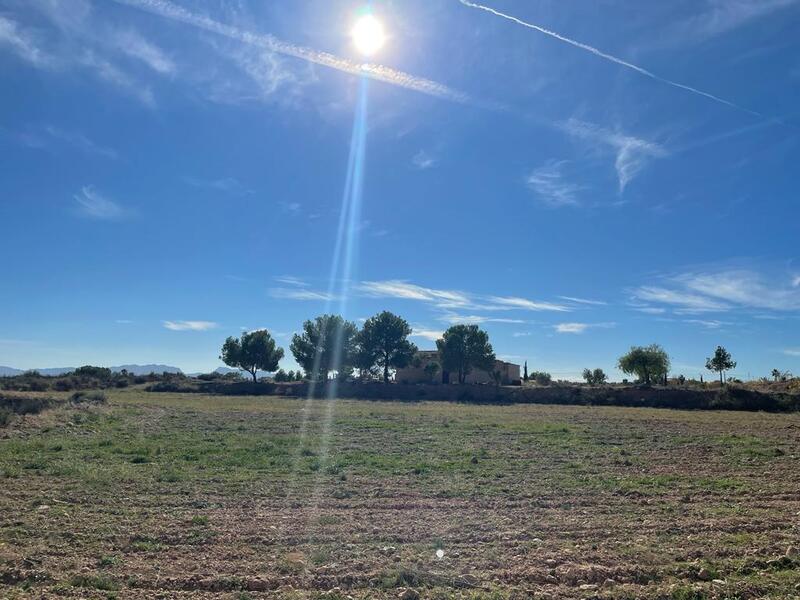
326,344
255,351
596,377
463,348
648,363
720,362
383,343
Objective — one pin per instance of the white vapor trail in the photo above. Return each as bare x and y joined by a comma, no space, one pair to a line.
610,57
173,12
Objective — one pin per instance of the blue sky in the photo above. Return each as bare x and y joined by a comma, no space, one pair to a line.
173,173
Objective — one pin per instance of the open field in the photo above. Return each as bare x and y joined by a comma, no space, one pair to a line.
194,496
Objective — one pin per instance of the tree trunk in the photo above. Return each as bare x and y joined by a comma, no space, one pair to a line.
386,372
721,381
254,372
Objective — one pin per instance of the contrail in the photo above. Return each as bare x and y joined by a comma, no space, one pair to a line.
611,58
168,10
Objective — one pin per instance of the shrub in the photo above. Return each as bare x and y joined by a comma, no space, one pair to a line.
88,397
541,377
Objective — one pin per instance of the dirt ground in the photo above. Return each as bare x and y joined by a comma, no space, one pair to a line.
192,496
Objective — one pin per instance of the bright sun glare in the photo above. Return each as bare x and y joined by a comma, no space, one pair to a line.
368,35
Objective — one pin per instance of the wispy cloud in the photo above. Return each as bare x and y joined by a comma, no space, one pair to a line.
685,301
723,16
631,153
792,351
270,43
423,160
452,299
301,294
48,136
114,75
550,185
269,77
409,291
291,280
24,44
455,319
190,325
610,58
228,185
525,304
96,206
578,328
134,45
709,291
584,301
708,324
427,334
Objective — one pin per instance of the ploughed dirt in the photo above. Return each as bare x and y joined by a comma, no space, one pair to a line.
192,496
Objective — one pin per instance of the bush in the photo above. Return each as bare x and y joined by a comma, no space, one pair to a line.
541,377
88,398
5,416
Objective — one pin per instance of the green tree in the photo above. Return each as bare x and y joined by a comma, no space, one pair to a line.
464,348
776,374
599,376
255,351
588,376
542,377
525,372
648,363
383,341
720,362
431,369
281,376
326,344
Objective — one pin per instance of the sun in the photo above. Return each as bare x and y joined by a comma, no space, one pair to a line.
368,35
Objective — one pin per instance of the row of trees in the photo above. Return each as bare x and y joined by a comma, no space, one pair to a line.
329,344
651,363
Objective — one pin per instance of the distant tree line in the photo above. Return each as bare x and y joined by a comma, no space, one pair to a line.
329,344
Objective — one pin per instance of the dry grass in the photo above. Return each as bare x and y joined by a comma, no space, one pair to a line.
169,495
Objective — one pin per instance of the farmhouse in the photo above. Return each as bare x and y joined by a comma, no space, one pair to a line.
426,367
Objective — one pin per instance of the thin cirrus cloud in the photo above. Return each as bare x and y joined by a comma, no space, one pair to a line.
302,294
29,45
609,57
51,138
578,328
631,153
190,325
426,333
452,299
94,205
792,351
134,45
720,291
551,186
226,185
723,16
584,301
24,44
173,12
423,160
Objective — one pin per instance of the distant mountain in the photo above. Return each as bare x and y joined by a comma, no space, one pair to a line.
132,369
146,369
218,370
